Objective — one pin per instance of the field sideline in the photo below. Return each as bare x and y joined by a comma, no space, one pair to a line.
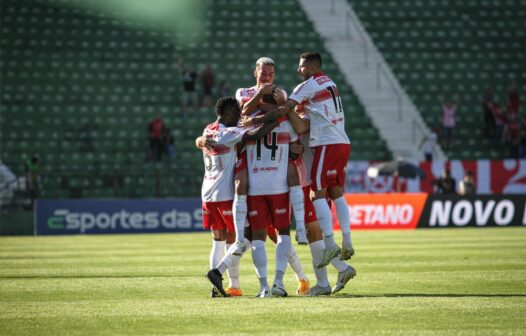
423,282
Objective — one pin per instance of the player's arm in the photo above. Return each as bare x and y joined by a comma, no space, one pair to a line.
300,125
270,116
295,150
252,105
202,141
260,132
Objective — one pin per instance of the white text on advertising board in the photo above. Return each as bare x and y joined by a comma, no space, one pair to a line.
390,214
85,221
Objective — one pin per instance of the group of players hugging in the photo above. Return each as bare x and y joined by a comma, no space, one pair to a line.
265,154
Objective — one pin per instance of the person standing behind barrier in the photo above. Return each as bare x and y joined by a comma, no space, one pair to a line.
449,110
155,134
513,99
429,143
189,95
207,84
33,182
489,120
445,184
467,185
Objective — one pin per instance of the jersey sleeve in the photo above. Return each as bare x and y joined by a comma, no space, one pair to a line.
242,97
239,96
230,136
302,92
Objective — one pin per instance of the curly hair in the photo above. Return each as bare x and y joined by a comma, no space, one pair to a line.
223,103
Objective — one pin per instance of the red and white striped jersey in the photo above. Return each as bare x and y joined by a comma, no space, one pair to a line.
218,182
322,101
267,160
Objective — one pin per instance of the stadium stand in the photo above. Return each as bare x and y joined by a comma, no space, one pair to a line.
79,86
445,47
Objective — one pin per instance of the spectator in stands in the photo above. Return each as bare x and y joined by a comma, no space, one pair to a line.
445,184
489,121
207,84
467,185
33,182
169,143
513,99
155,133
512,135
449,110
500,122
429,142
189,96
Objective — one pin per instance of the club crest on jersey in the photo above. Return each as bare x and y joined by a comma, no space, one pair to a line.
280,211
255,170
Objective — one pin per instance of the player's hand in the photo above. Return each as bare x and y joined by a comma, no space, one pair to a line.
266,88
279,97
296,148
210,144
246,121
200,142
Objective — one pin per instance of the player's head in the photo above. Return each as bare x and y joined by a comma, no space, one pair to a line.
228,111
264,71
310,64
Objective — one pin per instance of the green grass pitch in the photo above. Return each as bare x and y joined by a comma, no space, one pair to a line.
423,282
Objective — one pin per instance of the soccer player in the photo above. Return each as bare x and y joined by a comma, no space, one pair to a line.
322,102
264,97
268,202
217,192
260,98
316,243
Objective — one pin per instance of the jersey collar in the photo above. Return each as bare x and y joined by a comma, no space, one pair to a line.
319,74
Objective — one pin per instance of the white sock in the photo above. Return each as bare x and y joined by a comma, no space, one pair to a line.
344,217
295,264
233,268
316,250
248,244
217,252
340,265
323,212
239,208
259,257
297,201
233,272
282,252
282,256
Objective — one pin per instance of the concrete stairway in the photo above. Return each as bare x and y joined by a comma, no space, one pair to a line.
386,102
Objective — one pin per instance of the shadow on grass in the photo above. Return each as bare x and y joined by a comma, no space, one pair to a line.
422,295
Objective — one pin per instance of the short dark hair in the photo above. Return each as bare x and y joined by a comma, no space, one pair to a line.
223,103
310,56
